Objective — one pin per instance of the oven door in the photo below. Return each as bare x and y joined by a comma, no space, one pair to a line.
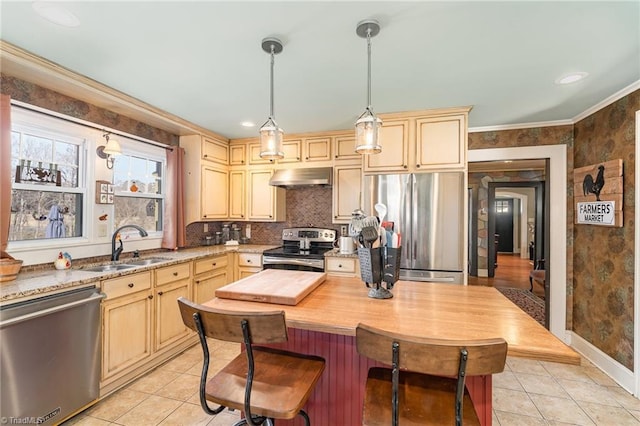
294,264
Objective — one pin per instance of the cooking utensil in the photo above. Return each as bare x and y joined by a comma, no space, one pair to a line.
381,209
357,222
369,234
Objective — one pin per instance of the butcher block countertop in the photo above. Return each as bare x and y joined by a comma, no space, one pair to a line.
444,311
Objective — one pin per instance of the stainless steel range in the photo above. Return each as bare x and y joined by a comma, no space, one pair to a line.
302,249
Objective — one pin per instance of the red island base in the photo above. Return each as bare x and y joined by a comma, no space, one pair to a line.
338,396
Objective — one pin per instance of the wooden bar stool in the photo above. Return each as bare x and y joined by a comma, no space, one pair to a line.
264,383
419,394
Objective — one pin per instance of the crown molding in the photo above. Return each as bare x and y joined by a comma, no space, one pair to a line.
608,101
520,126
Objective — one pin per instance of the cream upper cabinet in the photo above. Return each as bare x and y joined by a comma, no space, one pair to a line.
237,155
347,189
214,196
317,149
254,155
441,142
292,150
344,149
266,202
215,151
395,148
237,194
421,141
205,178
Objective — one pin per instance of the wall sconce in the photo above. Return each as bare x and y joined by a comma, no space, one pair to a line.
109,151
368,125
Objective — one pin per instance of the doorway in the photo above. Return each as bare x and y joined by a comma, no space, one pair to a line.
556,174
504,224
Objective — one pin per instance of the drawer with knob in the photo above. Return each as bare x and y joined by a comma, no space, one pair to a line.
128,284
172,273
210,264
340,265
250,259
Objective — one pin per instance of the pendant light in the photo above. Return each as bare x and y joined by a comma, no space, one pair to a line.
368,125
270,133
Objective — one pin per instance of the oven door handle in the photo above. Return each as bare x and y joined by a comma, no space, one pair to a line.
290,261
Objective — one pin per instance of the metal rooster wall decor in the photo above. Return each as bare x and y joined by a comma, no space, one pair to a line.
606,188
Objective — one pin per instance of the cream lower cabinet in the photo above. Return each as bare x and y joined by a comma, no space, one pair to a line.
247,264
171,283
342,266
141,323
210,274
126,323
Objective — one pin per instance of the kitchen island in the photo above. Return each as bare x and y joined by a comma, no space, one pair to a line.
324,324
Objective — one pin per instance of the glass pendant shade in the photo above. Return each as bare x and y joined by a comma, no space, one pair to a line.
368,133
271,140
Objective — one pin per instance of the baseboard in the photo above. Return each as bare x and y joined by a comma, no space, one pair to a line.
618,372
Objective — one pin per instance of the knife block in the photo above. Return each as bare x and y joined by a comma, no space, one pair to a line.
377,266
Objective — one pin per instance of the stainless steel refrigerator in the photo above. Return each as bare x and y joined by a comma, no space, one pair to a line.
428,210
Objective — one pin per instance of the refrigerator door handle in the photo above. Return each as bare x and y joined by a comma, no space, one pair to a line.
414,219
415,248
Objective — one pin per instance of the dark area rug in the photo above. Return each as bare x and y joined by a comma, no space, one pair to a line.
525,300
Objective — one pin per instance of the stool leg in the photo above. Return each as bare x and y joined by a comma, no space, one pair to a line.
305,416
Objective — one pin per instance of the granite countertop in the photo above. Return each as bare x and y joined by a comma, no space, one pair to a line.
29,285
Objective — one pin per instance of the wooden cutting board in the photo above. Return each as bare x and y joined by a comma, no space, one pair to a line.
273,286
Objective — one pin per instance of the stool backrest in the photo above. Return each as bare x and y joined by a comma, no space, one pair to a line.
266,327
432,356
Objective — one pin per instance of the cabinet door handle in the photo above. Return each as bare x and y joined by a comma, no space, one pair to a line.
160,293
248,260
242,162
197,281
404,166
130,285
336,156
205,156
306,158
175,274
150,296
417,166
335,217
340,266
214,263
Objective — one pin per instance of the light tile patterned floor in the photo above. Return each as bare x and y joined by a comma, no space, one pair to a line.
526,393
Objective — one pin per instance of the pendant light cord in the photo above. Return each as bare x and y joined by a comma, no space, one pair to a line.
368,68
271,87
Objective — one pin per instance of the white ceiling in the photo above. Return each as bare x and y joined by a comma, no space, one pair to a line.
202,61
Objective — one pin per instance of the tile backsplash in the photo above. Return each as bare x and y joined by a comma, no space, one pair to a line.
306,206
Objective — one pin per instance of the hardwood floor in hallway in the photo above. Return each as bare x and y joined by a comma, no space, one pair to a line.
512,271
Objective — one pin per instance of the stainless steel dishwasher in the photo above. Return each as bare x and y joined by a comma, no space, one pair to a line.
49,356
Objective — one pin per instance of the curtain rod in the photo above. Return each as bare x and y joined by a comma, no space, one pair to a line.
84,123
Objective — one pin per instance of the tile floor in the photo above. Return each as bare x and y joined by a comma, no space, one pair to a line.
526,393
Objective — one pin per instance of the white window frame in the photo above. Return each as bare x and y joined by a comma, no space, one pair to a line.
135,148
96,235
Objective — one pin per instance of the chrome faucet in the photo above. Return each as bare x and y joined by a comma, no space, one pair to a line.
115,253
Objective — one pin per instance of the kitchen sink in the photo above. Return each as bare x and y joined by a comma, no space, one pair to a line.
109,268
147,261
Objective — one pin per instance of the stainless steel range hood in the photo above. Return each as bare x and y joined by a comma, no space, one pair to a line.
291,178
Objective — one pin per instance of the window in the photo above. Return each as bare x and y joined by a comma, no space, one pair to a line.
502,206
56,176
47,184
138,181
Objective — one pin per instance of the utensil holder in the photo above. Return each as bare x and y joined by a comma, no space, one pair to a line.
378,265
